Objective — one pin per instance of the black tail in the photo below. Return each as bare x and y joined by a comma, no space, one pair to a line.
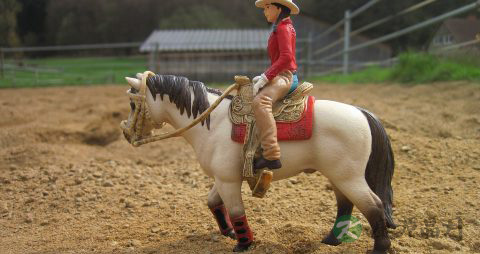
380,166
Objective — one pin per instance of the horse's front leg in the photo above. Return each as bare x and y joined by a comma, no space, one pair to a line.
231,194
215,203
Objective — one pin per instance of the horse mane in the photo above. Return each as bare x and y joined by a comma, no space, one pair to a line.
178,90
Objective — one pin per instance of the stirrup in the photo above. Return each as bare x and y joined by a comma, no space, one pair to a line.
263,184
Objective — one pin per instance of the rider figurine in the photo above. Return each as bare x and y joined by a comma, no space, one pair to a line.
278,80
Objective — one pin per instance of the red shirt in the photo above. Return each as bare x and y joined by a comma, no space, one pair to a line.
281,49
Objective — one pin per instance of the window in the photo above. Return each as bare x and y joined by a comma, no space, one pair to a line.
446,39
442,40
450,39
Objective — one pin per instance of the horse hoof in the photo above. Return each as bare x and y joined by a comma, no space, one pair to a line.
330,239
391,225
231,234
241,247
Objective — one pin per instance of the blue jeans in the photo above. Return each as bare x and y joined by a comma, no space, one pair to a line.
294,84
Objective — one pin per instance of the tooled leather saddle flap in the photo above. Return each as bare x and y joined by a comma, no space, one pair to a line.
289,109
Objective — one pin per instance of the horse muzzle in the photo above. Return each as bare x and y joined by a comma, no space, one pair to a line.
127,131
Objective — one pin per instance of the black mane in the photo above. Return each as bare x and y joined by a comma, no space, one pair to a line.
178,90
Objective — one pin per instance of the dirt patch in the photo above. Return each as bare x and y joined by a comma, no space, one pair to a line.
104,130
69,183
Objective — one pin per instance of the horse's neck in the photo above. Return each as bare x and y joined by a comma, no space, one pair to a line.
198,134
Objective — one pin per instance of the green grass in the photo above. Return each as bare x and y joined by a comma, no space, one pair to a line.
369,75
71,71
414,68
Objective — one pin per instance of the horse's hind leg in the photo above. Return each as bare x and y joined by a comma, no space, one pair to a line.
360,194
215,203
344,207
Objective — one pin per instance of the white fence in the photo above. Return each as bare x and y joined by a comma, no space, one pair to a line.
347,23
28,66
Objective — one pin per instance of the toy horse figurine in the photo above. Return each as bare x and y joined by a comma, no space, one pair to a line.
348,145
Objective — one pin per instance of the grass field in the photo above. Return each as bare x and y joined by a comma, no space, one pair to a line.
414,68
71,71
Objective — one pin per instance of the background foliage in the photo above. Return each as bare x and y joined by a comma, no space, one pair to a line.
414,68
53,22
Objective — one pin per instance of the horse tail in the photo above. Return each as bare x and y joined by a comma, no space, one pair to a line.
380,167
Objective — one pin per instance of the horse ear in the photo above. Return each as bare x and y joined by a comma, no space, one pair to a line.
139,76
133,82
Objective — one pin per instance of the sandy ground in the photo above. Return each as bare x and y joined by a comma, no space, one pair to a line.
70,183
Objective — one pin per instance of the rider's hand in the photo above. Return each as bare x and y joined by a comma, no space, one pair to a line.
259,83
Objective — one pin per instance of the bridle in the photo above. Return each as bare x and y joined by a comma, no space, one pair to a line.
142,116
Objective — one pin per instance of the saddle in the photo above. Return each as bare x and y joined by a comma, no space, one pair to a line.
294,120
293,114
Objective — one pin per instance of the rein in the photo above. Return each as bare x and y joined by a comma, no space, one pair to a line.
142,113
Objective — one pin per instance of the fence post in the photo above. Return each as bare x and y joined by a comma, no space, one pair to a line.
156,58
346,44
1,63
309,56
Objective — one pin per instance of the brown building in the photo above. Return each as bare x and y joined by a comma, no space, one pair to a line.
457,36
218,55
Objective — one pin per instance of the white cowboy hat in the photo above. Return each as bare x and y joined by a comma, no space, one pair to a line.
288,3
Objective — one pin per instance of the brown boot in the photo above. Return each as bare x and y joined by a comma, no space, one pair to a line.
263,102
275,90
264,163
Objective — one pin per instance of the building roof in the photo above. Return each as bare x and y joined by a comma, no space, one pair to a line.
206,40
463,29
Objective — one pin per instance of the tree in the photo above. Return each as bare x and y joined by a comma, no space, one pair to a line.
31,22
198,16
8,23
92,21
55,22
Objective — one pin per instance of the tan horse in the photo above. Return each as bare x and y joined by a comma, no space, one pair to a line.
349,146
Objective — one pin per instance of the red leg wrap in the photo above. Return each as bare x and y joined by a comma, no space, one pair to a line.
242,230
222,218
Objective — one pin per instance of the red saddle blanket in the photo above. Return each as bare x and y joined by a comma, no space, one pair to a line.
300,130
